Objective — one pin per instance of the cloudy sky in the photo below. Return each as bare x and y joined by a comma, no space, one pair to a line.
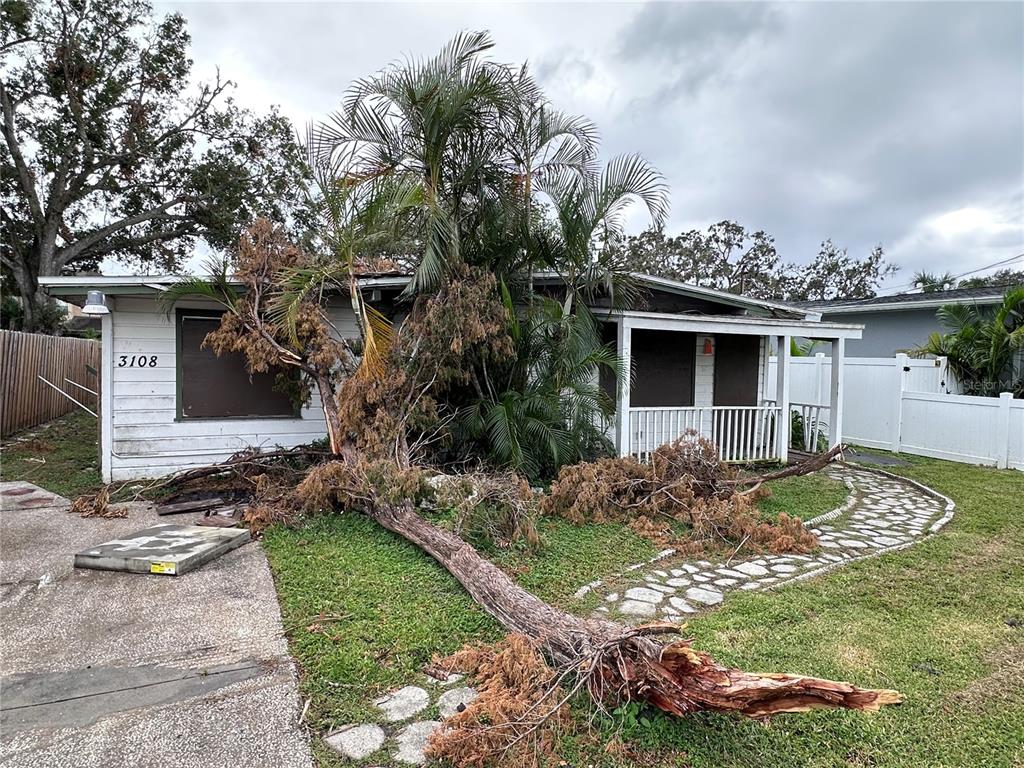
893,123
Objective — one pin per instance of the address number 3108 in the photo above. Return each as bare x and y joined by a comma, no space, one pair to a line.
136,361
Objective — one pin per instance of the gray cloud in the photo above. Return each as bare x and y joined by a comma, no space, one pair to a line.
892,123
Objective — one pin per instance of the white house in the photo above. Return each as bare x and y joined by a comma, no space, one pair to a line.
698,360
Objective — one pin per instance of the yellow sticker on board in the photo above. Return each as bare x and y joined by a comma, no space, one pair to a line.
158,567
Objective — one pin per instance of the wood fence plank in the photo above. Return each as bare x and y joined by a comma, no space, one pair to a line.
25,401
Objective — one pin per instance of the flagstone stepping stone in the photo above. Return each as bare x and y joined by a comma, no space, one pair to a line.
886,541
784,568
412,741
663,588
637,608
705,596
357,741
454,701
751,569
681,605
852,543
403,703
724,582
681,581
645,594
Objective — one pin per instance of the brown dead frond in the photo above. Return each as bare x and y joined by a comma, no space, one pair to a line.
684,498
97,505
516,717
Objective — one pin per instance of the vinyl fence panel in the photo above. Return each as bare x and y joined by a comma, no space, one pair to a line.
906,404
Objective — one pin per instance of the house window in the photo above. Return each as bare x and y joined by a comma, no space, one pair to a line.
220,387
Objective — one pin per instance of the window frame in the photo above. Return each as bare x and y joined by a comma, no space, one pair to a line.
180,314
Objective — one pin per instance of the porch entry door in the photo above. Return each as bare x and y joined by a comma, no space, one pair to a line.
737,360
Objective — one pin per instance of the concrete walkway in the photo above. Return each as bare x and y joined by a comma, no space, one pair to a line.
882,513
102,669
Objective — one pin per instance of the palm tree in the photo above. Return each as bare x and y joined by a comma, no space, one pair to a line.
589,213
932,283
983,346
549,408
442,121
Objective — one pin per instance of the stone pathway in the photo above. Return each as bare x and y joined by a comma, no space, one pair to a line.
403,737
881,514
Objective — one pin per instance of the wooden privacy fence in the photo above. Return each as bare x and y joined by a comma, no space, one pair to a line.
70,364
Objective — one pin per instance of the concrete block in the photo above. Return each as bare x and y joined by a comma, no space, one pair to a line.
167,549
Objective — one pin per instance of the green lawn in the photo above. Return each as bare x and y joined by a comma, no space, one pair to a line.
804,497
940,622
61,456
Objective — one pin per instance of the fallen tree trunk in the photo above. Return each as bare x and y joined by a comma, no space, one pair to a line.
618,661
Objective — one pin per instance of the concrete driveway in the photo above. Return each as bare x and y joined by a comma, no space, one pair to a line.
109,669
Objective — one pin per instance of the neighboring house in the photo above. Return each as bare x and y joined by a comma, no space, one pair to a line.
699,360
900,322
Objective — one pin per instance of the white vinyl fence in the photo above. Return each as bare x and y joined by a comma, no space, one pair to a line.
905,404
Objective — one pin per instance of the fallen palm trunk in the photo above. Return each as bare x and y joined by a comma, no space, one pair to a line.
619,662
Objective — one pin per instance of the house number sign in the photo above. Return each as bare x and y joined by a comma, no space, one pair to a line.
136,361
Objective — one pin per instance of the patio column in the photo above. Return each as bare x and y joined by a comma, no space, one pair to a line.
782,397
835,401
624,344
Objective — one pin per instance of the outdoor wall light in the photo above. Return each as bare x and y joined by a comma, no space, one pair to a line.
95,304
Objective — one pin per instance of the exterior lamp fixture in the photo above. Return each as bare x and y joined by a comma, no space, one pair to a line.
708,346
95,304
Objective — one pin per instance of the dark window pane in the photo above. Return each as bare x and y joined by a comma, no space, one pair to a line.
663,369
737,361
221,387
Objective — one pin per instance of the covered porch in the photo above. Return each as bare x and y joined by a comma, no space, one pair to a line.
709,374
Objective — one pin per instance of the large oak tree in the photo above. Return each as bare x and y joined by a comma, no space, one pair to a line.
111,151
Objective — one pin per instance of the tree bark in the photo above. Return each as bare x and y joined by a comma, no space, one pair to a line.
330,407
623,662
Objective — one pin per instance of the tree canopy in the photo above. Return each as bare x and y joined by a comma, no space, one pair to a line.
730,258
110,151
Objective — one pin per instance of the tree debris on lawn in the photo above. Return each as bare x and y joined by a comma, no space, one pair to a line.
684,498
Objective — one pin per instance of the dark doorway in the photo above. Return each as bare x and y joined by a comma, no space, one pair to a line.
737,359
663,363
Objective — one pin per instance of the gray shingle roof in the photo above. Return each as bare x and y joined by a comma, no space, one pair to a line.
985,295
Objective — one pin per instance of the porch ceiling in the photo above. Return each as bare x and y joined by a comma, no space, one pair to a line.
731,324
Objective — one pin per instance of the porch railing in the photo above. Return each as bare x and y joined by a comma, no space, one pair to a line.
814,429
742,433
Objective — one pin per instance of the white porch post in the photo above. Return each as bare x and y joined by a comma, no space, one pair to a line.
782,397
625,347
835,401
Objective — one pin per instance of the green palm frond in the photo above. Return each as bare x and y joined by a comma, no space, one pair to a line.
215,286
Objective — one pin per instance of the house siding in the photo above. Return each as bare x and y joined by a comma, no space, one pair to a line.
146,438
888,332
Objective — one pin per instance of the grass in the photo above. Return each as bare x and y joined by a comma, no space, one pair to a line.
804,497
61,456
933,621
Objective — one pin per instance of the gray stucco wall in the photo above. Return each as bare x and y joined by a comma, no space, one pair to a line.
886,333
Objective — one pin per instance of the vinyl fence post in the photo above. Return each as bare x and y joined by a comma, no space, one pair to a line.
1003,430
901,386
819,378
